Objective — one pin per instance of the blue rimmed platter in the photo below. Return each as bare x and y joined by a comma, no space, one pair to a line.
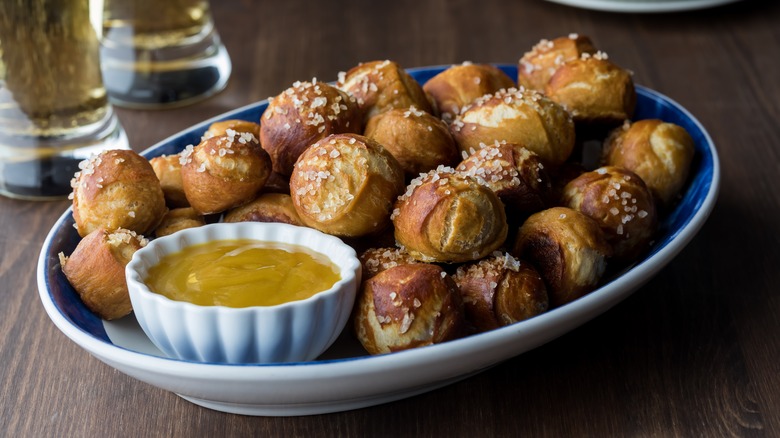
345,377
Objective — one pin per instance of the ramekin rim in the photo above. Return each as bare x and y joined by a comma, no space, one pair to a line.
348,263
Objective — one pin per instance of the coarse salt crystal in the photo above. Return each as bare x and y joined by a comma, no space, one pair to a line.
318,102
407,322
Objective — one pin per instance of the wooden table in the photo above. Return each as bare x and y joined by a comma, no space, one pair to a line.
695,352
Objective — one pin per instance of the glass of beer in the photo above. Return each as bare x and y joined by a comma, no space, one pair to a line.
158,54
54,111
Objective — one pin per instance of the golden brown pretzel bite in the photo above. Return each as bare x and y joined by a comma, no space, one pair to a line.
117,189
300,116
168,171
458,86
408,306
217,129
539,64
622,205
514,173
594,90
660,153
376,260
447,216
380,86
345,185
419,141
96,270
224,172
268,207
517,116
179,219
569,250
500,290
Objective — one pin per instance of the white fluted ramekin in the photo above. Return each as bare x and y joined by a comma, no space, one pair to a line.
296,331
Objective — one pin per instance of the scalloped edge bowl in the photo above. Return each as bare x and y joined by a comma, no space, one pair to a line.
296,331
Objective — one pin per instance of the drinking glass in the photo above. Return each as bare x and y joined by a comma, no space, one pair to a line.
158,54
54,111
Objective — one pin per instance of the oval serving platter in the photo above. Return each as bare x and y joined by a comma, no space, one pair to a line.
345,377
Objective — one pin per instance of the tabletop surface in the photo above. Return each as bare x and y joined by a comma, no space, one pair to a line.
695,352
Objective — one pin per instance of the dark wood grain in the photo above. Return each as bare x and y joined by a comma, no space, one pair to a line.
695,352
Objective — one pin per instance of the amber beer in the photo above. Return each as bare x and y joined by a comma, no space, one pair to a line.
54,110
161,53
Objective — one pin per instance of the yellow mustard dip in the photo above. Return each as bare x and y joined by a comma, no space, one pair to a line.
242,273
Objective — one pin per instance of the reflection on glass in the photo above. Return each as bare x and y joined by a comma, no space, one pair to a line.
161,53
53,106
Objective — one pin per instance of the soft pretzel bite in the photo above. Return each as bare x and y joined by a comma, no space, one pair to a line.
303,114
268,207
419,141
168,171
96,270
660,153
622,205
376,260
117,189
456,87
217,129
447,216
380,86
539,64
569,250
522,116
514,173
408,306
178,219
224,172
594,90
500,290
345,185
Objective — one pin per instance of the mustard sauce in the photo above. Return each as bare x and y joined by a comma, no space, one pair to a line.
242,273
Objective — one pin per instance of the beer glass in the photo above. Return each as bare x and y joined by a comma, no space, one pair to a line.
54,111
161,53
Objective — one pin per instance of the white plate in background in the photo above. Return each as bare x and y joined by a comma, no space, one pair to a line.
644,6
